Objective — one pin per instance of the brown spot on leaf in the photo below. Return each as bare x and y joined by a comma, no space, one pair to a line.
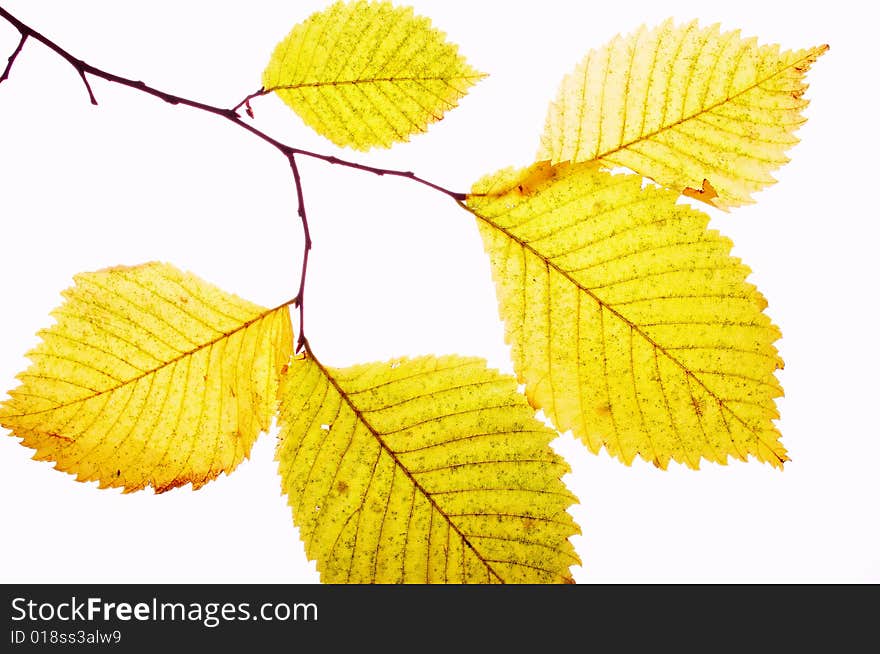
705,194
341,487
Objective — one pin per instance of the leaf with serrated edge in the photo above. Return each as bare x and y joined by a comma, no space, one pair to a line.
629,321
150,377
427,470
368,74
691,108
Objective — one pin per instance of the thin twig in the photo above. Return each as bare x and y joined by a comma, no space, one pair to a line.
13,57
82,74
246,102
307,246
382,172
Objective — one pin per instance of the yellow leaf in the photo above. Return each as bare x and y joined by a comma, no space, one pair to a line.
629,321
430,470
150,376
368,74
683,104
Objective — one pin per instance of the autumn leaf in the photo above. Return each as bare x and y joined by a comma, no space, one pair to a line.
150,376
691,108
427,470
368,74
629,321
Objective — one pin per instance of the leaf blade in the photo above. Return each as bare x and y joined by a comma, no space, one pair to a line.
430,470
624,313
683,104
107,397
387,75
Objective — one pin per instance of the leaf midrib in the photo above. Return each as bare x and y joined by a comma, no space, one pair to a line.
374,80
811,54
156,369
378,436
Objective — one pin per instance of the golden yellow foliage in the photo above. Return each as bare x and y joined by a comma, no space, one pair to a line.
428,470
150,376
683,104
368,74
629,321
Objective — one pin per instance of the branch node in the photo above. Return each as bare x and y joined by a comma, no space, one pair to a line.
246,103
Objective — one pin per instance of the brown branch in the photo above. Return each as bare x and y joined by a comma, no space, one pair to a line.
382,172
84,70
307,246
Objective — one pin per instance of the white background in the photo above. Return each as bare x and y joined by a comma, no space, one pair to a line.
399,270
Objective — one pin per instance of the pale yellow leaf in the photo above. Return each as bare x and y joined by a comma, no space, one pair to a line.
427,470
150,376
681,104
629,321
368,74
